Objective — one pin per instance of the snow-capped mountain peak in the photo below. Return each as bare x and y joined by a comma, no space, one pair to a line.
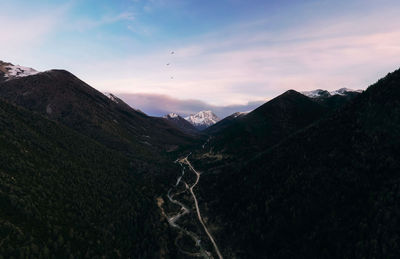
316,93
9,71
319,93
171,116
343,91
202,119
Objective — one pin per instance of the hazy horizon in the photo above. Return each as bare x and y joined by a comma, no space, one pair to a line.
160,105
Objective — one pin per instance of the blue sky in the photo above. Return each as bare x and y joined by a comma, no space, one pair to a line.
227,52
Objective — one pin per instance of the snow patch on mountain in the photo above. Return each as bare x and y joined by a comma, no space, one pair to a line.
111,97
239,114
171,115
202,119
343,91
316,93
11,71
319,93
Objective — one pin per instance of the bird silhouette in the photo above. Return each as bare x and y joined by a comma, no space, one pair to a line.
172,53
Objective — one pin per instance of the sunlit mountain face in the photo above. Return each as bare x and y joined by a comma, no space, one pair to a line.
187,129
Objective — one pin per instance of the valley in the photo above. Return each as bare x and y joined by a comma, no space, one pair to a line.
178,129
85,174
177,191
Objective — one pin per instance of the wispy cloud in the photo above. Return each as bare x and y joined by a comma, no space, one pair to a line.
150,5
248,65
221,59
90,23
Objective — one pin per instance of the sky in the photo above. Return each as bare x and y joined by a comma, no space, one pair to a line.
227,54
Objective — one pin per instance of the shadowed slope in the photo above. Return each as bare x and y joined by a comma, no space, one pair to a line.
328,191
266,125
61,96
63,194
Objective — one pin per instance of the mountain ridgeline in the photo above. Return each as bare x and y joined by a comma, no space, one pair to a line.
266,125
61,96
64,194
181,123
334,99
324,190
305,175
77,172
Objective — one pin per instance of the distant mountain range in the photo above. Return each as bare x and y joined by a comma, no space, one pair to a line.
319,93
334,99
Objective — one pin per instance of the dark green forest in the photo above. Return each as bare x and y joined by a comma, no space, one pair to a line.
64,195
329,190
295,178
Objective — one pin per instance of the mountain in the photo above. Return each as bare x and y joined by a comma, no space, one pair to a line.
60,96
64,195
9,71
202,119
83,174
326,191
265,126
117,100
319,93
345,91
334,99
225,123
80,171
181,123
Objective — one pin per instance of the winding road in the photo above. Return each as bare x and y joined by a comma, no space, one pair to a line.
184,210
187,162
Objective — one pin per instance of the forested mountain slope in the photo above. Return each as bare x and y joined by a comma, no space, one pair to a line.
266,125
63,194
328,191
60,96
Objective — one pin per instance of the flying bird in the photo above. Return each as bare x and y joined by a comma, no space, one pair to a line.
172,53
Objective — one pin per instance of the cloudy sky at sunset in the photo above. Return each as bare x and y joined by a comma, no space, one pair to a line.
227,52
